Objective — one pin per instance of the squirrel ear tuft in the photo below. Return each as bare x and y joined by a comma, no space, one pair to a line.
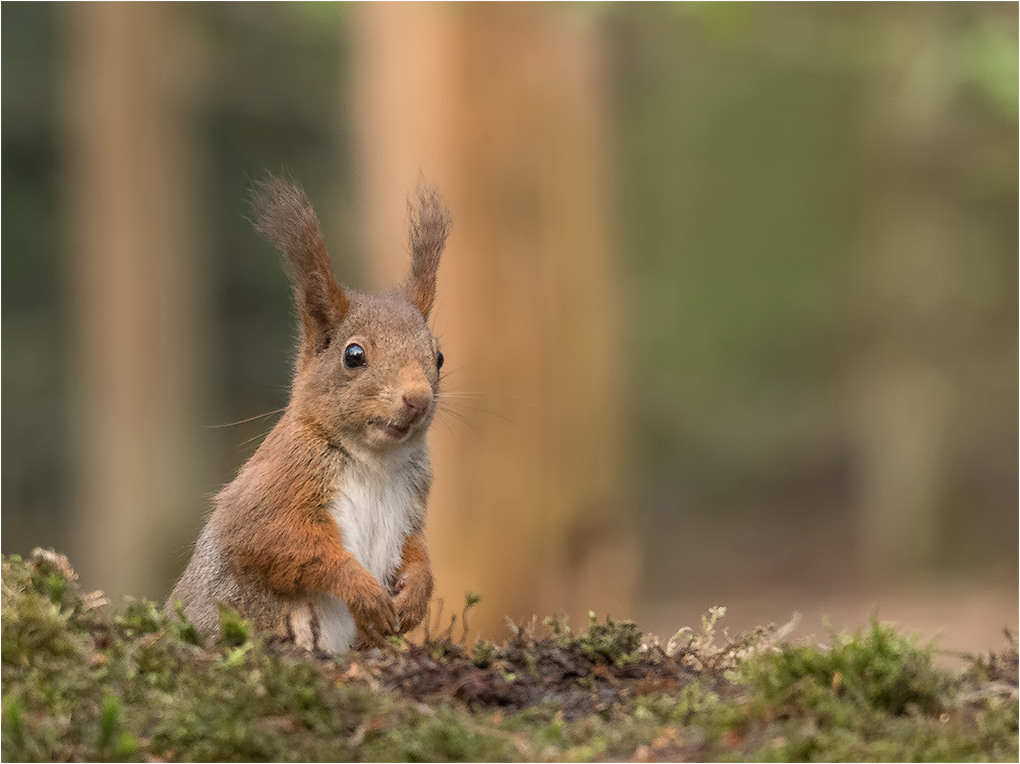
429,226
284,215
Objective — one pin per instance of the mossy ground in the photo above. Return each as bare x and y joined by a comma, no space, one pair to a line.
86,681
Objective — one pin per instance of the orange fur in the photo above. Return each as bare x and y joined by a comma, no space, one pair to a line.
415,583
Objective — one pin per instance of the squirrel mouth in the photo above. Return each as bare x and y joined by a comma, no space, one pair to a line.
392,429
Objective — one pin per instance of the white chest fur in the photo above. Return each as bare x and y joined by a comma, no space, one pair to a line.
375,511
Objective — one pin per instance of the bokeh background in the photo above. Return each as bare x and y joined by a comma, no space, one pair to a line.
729,308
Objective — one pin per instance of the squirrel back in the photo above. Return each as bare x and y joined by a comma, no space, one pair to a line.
325,523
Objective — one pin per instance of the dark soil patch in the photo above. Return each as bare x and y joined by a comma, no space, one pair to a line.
524,675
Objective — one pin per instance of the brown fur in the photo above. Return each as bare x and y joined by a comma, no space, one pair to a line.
271,540
430,225
415,583
285,216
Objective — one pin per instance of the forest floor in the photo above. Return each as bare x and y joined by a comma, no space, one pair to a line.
83,680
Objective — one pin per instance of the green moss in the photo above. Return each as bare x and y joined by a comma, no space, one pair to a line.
81,683
183,628
614,642
139,617
872,696
689,704
482,653
446,735
13,727
234,630
34,629
876,668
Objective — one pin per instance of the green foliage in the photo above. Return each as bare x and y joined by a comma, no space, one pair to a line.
878,668
873,696
184,628
447,735
751,183
989,54
610,642
136,684
233,629
482,653
140,617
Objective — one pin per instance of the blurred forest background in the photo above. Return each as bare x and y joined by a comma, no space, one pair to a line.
729,308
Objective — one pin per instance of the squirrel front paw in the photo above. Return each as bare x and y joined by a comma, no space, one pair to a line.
373,609
413,592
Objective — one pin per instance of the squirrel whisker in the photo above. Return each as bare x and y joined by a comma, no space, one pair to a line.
245,421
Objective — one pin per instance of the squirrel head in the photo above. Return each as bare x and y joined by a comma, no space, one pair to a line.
367,369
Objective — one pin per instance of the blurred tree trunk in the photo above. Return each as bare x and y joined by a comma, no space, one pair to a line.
501,107
903,395
133,289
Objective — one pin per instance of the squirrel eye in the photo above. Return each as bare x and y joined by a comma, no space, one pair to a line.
354,356
439,360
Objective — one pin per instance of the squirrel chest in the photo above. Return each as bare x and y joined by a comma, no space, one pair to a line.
375,509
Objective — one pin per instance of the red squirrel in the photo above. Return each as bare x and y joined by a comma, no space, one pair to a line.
320,535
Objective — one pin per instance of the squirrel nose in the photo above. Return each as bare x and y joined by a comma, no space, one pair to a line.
417,400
